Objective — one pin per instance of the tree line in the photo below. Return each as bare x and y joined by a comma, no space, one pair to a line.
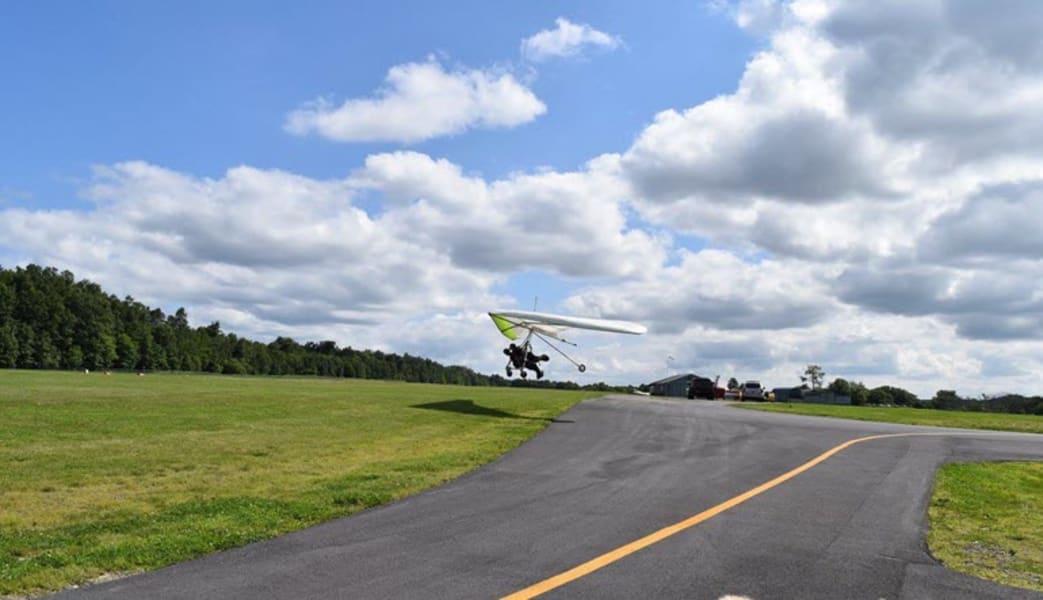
50,320
887,395
813,379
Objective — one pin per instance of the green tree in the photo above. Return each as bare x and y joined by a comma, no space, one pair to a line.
840,386
852,389
946,400
8,346
74,358
814,375
880,395
859,393
233,366
126,352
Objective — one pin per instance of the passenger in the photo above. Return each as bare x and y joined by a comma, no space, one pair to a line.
533,362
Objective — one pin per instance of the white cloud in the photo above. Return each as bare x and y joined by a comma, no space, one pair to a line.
895,146
566,40
279,250
567,223
422,101
784,135
717,290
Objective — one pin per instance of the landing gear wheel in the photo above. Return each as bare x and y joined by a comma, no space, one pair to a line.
524,375
509,372
582,368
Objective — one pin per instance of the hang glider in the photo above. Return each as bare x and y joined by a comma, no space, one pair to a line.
522,325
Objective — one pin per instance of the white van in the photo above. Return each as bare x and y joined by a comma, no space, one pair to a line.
752,390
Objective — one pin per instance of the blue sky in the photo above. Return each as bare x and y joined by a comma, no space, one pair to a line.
764,183
205,86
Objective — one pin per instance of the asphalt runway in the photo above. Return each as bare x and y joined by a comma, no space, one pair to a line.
612,471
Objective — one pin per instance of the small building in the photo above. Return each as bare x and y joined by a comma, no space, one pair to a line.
675,385
789,394
803,394
825,397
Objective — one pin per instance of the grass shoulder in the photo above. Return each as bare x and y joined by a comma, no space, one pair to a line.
986,519
120,473
908,416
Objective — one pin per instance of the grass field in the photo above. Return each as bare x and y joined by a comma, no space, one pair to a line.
987,520
909,416
108,474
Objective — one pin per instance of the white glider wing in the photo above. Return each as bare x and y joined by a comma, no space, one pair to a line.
515,323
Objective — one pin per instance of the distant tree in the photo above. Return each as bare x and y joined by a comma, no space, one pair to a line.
126,352
946,400
852,389
814,375
327,347
904,397
859,393
233,366
733,383
897,396
73,358
840,386
8,346
880,395
147,352
178,320
25,339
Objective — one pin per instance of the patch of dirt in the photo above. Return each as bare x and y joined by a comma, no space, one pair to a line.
991,556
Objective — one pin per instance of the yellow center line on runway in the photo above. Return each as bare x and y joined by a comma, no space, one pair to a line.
626,550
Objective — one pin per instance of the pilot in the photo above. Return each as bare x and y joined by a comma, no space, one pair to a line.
517,356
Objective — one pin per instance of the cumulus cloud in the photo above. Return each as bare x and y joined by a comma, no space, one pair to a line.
571,224
735,154
422,101
784,133
959,77
1000,222
884,108
566,40
279,249
897,147
716,290
982,304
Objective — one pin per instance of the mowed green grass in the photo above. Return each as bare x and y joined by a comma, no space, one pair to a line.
987,520
110,474
909,416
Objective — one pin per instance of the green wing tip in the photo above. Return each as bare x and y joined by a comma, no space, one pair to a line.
505,326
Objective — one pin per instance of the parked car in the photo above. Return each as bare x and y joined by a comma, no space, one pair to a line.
732,395
752,390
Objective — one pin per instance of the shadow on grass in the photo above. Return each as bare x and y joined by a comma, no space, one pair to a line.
468,407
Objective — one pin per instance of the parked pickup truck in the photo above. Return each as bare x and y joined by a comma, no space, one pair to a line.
752,390
701,387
